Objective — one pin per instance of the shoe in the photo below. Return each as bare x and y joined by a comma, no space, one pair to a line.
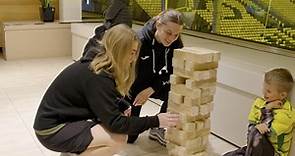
131,139
158,134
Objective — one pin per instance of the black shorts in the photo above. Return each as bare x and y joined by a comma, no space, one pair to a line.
74,137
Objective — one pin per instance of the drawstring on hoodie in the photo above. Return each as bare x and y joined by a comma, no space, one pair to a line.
154,59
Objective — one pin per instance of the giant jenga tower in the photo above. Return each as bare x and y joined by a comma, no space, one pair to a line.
192,90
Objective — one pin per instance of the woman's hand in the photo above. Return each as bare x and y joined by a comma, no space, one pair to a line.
143,96
167,120
127,112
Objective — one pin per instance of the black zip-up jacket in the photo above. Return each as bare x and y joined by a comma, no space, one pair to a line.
79,94
154,65
117,13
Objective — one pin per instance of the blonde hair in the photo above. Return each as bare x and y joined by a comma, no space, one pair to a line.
281,77
117,43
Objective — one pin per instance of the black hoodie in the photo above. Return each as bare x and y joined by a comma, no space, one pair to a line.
78,94
154,65
117,13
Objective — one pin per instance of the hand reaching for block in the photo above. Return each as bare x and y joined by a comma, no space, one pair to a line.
167,120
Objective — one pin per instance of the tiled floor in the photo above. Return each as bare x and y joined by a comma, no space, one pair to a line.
22,84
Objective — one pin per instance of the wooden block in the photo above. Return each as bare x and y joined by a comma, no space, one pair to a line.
184,111
199,55
174,79
192,55
180,137
189,126
207,99
211,106
204,109
186,126
176,97
186,118
193,148
207,123
194,66
205,140
182,73
192,101
204,75
176,136
178,63
200,125
183,116
178,53
216,57
208,91
171,148
198,76
203,153
178,151
182,90
192,84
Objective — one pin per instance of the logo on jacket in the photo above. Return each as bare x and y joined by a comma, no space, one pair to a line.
145,57
165,83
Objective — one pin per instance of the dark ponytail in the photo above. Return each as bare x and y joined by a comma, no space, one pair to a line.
169,16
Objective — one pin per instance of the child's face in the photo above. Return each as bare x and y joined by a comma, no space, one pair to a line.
271,92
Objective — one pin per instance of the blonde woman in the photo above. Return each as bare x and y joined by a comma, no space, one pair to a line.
82,110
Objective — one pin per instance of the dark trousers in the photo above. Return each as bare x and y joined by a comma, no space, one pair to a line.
135,111
162,95
257,145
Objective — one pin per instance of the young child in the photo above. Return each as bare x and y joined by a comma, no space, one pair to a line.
271,118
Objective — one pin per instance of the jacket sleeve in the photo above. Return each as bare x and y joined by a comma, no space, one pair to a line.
102,96
113,10
255,113
283,122
156,84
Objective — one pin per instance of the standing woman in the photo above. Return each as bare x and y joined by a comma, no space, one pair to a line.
159,37
118,12
82,110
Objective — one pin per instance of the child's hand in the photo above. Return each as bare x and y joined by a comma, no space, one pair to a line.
262,128
274,104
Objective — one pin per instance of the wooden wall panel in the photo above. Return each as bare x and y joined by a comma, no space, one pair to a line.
19,2
1,36
21,10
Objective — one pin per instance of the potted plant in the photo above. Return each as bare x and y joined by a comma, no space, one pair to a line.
47,11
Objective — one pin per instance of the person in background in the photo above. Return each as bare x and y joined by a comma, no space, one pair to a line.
83,110
271,119
159,37
117,13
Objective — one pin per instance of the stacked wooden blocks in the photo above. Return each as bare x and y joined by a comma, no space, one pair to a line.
192,90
